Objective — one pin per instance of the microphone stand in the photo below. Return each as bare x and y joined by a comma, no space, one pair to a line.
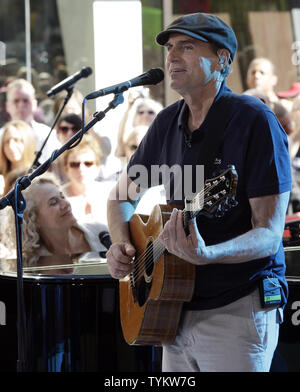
39,153
16,200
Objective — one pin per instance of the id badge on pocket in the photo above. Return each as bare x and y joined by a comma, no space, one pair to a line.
270,292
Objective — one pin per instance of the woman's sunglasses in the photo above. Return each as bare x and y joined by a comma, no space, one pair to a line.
75,165
66,129
141,112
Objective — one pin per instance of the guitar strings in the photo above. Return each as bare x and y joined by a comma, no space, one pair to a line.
157,247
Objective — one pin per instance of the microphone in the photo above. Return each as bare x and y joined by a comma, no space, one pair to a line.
106,241
153,76
70,81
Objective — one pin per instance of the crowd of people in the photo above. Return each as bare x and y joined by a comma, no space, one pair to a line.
81,171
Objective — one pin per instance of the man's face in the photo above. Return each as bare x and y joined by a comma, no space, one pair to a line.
190,63
21,105
260,75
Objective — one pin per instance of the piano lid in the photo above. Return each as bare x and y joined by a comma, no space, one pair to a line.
84,264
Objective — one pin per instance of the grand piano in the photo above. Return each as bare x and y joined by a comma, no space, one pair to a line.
72,317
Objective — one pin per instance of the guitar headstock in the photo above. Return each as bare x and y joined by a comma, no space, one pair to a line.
217,197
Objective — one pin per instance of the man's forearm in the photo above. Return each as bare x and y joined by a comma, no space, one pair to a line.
255,244
118,215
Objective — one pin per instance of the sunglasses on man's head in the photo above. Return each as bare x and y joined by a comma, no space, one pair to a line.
75,165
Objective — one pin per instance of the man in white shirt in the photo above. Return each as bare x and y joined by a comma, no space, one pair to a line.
21,104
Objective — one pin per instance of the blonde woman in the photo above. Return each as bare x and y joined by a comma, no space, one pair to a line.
49,226
17,147
141,111
87,196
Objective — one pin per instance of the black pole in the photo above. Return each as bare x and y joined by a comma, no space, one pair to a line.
39,153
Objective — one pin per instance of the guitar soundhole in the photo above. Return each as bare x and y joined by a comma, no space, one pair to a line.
145,283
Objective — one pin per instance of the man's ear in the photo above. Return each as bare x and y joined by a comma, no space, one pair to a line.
223,55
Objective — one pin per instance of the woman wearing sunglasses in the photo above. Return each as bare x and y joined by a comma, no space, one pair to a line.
141,110
87,196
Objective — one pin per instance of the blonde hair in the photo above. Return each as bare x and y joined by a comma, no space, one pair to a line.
88,142
28,138
31,240
127,127
139,130
19,84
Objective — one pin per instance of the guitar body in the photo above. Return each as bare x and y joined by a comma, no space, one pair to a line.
151,297
150,310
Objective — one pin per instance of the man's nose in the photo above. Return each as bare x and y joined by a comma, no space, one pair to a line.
172,55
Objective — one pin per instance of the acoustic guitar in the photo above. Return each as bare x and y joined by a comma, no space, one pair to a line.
151,297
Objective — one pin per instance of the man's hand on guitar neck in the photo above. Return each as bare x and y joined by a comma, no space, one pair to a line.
119,258
191,248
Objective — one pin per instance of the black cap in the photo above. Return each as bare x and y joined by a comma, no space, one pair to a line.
202,26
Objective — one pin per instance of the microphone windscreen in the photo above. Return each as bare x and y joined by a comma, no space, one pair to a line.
86,71
155,75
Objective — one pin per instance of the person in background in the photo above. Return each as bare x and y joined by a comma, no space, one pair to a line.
261,75
21,104
280,111
66,127
87,195
17,148
284,117
141,111
74,106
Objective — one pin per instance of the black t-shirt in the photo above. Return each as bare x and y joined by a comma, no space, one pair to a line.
254,142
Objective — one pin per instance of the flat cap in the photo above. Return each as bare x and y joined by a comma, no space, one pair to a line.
202,26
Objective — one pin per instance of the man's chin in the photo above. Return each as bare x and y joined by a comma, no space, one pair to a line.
176,86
